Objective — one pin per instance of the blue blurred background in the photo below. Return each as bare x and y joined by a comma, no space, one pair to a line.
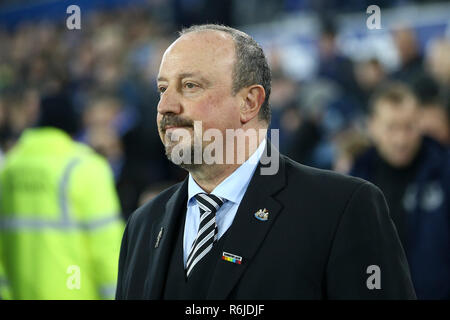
325,64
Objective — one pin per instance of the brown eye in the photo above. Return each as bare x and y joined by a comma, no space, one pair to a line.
161,89
190,85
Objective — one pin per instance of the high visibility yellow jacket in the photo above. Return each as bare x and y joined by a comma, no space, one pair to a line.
4,286
60,225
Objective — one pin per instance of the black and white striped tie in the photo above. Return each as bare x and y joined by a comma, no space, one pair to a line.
207,231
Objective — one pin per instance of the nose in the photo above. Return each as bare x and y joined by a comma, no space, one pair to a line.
169,102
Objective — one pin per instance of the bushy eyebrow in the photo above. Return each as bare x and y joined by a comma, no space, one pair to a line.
188,75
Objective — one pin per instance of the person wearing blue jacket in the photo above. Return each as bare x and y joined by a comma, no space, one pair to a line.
413,171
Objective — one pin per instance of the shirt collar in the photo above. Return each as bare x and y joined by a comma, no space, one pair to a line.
234,186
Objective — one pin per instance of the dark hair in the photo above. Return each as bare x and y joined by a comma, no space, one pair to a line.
57,111
393,92
251,65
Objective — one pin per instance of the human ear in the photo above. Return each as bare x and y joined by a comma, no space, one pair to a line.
252,100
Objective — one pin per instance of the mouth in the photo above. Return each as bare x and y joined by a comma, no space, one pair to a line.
172,128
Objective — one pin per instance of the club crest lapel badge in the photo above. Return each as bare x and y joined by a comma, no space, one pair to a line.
262,214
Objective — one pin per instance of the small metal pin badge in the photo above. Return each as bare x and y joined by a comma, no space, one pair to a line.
158,239
262,214
231,258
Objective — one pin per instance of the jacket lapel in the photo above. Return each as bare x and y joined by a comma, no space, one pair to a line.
247,233
161,250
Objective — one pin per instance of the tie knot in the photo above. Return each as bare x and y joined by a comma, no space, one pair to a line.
209,202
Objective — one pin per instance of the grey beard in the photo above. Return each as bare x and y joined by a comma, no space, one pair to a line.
189,165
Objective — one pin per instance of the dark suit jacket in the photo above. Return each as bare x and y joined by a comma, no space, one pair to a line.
324,230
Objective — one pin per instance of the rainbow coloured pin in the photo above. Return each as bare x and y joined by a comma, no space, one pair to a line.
231,258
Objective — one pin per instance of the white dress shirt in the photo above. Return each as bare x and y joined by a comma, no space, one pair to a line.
232,189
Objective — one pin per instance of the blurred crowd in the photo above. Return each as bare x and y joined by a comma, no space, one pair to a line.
356,117
324,120
106,73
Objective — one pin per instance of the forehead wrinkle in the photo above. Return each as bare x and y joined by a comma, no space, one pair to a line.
184,75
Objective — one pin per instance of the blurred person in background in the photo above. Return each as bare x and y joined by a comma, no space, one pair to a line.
433,91
369,75
435,121
350,144
328,102
437,64
434,109
333,65
284,100
100,129
155,189
411,61
60,225
19,108
413,171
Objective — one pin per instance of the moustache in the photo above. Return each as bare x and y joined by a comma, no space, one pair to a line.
174,121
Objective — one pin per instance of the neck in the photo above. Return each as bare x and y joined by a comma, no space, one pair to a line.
210,176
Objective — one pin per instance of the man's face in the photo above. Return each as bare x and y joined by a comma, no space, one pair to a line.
395,131
195,83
